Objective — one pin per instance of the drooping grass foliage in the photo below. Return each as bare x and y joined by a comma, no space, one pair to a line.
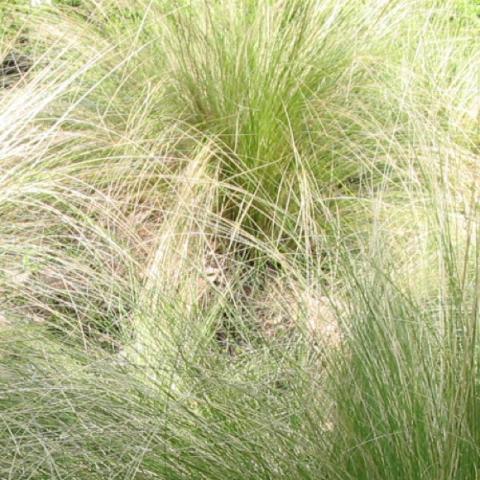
239,240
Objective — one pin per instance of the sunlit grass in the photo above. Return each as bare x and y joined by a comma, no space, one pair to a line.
238,240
